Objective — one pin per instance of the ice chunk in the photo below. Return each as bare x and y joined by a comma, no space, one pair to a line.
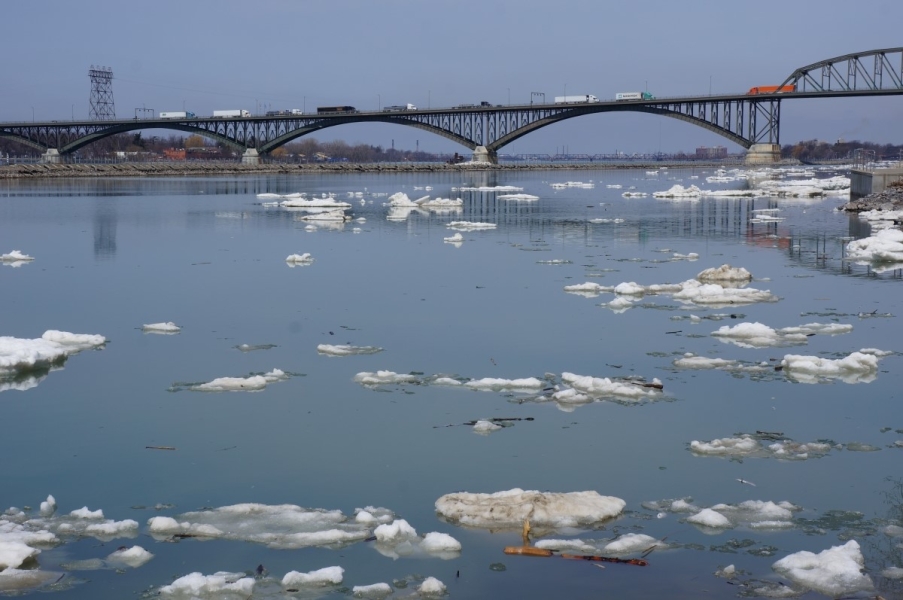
886,246
470,225
855,368
15,257
277,526
691,361
219,585
726,446
510,508
603,387
892,573
14,553
834,572
710,518
375,591
346,350
254,383
454,239
678,191
724,273
48,507
294,260
485,427
74,342
497,384
712,294
18,580
630,543
401,199
318,578
440,543
518,197
384,377
21,355
133,557
315,203
85,513
431,587
164,328
395,532
567,545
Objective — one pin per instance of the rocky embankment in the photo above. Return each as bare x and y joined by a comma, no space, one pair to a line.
890,199
175,169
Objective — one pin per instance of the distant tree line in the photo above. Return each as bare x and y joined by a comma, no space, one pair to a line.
815,150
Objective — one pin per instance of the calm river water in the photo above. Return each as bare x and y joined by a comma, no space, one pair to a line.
112,255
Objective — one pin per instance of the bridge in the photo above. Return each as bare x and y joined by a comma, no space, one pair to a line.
751,120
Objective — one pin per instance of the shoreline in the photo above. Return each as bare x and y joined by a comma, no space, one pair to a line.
31,171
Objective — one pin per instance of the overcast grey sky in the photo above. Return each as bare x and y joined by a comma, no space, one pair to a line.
219,54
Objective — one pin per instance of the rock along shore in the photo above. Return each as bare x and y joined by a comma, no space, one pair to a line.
890,199
174,169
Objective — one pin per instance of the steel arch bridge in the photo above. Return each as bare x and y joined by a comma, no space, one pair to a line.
745,119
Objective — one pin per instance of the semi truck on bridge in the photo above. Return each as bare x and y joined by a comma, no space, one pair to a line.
400,108
229,114
634,96
771,89
572,99
177,114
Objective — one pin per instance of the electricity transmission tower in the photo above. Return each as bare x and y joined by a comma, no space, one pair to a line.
102,107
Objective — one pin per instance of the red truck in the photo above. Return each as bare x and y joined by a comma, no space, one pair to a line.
771,89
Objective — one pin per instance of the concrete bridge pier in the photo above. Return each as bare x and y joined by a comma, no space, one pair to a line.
250,157
483,154
52,156
763,154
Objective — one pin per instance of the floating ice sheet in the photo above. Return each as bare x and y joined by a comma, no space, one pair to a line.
220,585
858,367
315,203
167,328
543,509
834,572
283,526
519,197
691,291
320,578
398,539
758,335
346,350
724,273
886,246
252,383
762,446
373,591
679,192
629,543
497,188
15,257
573,184
470,225
753,514
295,260
25,362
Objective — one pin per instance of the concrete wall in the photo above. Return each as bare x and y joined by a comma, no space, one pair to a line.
863,183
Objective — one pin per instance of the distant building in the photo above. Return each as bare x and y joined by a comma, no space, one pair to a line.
716,152
174,153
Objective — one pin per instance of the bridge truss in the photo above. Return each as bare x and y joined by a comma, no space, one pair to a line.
742,118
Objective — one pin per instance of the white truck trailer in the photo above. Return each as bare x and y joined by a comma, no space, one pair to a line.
229,114
572,99
177,114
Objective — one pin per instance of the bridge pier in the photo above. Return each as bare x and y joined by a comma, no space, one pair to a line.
763,154
250,157
483,154
52,156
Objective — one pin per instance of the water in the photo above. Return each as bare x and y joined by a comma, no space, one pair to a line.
114,254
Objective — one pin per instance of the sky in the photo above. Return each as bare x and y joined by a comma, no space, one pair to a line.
206,55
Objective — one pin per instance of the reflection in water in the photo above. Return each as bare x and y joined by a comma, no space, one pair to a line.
884,552
104,229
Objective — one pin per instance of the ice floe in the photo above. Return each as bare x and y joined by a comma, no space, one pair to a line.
470,225
384,377
578,389
485,427
628,543
167,328
456,239
886,246
753,514
509,509
346,350
284,526
497,384
758,335
519,197
431,587
690,291
201,587
15,258
724,273
634,195
678,191
23,362
762,445
497,188
858,367
252,383
834,572
295,260
399,538
573,184
320,578
336,216
373,591
315,203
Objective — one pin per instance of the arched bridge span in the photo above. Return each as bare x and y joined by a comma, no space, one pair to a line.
745,119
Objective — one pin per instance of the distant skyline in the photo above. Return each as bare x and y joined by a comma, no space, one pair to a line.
281,54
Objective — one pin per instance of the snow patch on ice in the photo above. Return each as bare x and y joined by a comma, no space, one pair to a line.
834,572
